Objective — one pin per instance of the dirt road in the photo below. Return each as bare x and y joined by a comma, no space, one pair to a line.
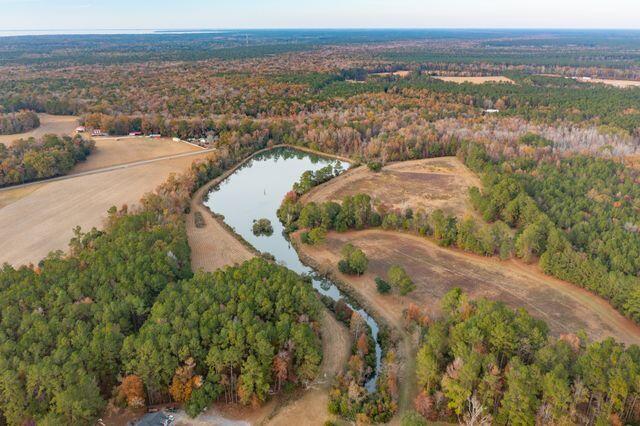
108,169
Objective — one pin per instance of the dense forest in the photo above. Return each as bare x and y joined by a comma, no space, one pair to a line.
483,363
18,122
63,323
578,217
246,331
26,160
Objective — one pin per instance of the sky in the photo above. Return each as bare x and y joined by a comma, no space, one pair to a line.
242,14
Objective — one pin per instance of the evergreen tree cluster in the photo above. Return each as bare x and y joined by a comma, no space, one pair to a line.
578,217
486,362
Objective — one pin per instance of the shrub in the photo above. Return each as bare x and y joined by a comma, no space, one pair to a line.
399,278
374,166
199,220
200,400
382,286
316,236
354,261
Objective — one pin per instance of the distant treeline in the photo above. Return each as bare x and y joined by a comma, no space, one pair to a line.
30,159
19,122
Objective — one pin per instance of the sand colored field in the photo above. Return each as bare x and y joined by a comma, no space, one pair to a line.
212,246
12,195
400,73
623,84
475,80
112,151
438,183
56,124
435,270
43,220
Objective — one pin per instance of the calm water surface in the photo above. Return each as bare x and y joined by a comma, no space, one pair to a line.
255,191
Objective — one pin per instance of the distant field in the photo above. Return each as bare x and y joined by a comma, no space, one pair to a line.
401,73
112,151
56,124
43,220
476,80
623,84
435,270
438,183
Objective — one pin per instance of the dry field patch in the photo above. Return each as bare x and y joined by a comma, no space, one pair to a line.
475,80
43,220
55,124
212,246
114,151
622,84
9,196
435,270
400,73
436,183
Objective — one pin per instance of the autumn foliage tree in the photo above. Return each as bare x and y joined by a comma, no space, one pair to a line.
132,390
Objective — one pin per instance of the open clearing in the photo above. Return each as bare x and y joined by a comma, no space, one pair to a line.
400,73
435,270
623,84
112,151
212,246
56,124
12,195
475,80
437,183
43,219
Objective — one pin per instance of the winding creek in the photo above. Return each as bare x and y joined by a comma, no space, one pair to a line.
255,191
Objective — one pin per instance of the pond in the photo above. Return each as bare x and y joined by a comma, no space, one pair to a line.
255,191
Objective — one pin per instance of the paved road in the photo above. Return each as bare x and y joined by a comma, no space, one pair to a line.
111,168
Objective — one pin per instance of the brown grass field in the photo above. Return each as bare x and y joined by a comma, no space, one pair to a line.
399,73
38,221
622,84
56,124
435,270
475,80
212,246
113,151
438,183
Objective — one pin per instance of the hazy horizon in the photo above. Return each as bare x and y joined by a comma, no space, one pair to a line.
168,31
119,15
